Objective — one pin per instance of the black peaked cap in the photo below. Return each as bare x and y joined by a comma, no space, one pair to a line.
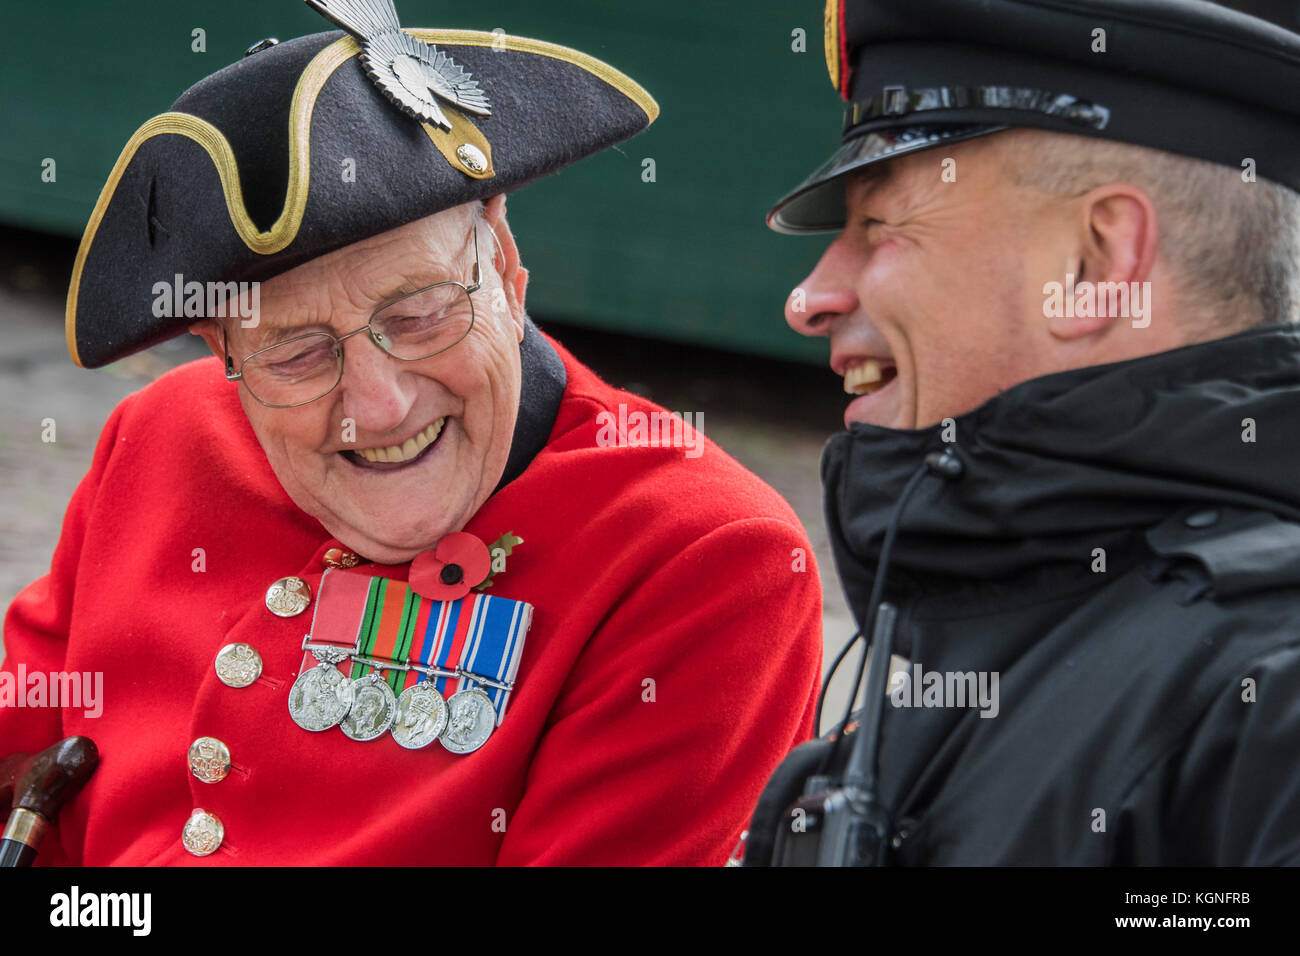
1191,77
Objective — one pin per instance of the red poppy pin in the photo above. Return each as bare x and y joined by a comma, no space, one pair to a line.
458,563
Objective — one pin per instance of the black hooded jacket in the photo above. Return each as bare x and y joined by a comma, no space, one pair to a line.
1123,553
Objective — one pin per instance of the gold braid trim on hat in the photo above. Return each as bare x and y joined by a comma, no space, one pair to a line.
832,23
285,229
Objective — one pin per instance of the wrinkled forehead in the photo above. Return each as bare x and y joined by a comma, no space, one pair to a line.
987,165
440,240
344,287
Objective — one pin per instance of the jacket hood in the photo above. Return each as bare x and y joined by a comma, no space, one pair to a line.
1063,464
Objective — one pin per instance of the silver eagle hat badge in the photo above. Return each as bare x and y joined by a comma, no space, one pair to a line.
411,73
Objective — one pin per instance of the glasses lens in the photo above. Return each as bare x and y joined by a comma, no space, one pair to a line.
299,370
425,322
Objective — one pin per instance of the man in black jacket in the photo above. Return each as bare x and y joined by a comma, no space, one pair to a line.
1068,255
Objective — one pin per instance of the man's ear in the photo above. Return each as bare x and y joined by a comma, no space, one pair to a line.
514,277
210,333
1119,235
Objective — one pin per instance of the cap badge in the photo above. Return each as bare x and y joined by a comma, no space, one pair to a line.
413,74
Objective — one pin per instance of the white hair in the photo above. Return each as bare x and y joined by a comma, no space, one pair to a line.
479,212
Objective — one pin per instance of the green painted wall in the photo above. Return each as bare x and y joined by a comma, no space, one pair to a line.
744,117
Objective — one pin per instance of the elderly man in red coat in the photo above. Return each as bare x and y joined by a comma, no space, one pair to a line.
394,579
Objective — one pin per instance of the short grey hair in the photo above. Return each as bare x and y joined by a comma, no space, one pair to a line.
1235,244
479,215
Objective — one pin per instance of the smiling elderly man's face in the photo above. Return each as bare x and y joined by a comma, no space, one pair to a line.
468,396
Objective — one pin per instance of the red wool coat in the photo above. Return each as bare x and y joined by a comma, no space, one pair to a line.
641,563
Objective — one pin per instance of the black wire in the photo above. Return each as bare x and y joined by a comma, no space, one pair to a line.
873,605
826,684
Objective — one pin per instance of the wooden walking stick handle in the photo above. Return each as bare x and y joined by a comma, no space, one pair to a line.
41,785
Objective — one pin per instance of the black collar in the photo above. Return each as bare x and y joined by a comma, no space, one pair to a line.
1063,464
540,393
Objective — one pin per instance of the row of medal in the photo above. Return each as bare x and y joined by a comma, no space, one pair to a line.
366,708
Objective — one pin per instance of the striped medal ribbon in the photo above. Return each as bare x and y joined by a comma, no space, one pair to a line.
453,662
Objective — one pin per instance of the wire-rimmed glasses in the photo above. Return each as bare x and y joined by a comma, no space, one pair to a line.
415,326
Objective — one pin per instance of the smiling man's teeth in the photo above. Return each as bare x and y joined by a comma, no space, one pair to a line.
408,449
865,378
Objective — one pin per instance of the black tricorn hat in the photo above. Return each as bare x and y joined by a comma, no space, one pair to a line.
307,146
1185,76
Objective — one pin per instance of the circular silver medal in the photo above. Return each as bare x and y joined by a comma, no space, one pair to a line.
373,706
470,719
320,698
421,716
